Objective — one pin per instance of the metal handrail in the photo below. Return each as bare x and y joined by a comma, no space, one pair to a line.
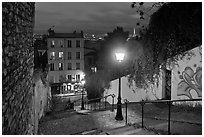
181,100
161,101
88,101
169,102
113,95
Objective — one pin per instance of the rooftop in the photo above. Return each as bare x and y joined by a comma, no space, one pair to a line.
66,35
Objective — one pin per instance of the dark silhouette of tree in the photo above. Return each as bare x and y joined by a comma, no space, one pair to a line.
174,29
107,68
144,13
114,40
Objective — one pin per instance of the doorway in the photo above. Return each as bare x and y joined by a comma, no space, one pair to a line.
168,85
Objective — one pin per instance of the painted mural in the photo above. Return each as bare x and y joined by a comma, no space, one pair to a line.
190,81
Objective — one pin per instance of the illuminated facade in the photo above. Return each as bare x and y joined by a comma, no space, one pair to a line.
66,60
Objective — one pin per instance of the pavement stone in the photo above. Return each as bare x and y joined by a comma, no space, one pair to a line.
127,130
85,122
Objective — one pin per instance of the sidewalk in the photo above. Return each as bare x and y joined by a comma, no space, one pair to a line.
68,123
103,122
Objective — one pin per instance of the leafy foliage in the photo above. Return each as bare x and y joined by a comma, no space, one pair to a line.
95,85
174,29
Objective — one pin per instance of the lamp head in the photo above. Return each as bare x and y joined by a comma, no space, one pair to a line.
120,56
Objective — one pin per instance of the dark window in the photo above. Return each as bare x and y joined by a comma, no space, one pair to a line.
61,43
77,65
77,77
60,66
52,67
69,77
69,43
69,56
77,55
77,43
69,66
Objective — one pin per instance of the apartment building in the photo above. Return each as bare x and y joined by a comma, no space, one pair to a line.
66,60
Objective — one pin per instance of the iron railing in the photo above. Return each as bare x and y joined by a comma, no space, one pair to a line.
169,102
96,103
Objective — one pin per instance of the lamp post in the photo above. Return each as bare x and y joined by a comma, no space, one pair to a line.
119,116
82,95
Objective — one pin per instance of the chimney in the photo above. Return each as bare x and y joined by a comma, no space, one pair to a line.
82,33
51,32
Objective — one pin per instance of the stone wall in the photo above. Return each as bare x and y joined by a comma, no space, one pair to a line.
17,67
186,79
42,97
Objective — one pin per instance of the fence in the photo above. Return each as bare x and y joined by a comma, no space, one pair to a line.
95,104
169,103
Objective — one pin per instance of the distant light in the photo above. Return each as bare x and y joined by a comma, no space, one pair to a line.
120,56
94,69
83,82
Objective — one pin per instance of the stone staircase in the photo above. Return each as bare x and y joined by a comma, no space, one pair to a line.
125,130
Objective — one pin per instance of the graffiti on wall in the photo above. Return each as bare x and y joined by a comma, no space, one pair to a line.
190,81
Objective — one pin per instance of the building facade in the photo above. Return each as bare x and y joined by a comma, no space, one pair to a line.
66,60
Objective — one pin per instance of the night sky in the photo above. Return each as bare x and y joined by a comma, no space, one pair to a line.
92,18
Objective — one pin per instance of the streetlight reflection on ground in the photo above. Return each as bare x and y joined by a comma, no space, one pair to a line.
119,57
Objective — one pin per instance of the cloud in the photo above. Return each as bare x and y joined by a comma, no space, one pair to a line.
89,16
135,16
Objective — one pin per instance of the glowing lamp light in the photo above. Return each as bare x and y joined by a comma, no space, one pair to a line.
119,56
83,82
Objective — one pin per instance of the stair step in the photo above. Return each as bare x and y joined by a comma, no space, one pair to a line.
121,130
89,132
127,130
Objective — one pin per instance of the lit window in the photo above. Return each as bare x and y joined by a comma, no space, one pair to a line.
52,67
52,55
60,66
77,65
77,43
52,43
77,55
69,56
93,69
69,43
69,66
60,55
69,87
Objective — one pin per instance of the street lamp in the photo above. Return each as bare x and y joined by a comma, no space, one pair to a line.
82,95
119,57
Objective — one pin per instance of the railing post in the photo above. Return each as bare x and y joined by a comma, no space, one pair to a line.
105,102
99,104
142,113
169,117
126,112
112,103
85,104
74,104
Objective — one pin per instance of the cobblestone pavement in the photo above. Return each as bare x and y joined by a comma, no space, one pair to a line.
71,122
